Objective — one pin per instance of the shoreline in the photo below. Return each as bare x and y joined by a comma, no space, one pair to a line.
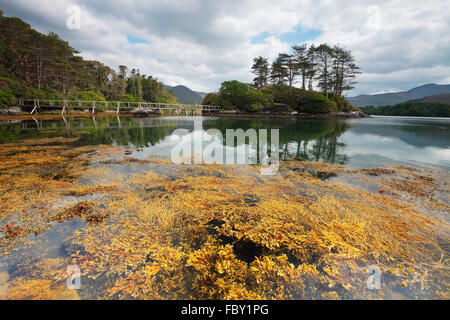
50,116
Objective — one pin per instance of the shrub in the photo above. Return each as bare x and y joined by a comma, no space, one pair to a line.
314,103
88,95
215,100
21,89
6,98
342,104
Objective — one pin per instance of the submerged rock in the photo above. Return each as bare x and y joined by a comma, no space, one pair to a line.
14,111
143,111
352,114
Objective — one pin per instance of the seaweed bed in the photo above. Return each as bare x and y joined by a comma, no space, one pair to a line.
148,229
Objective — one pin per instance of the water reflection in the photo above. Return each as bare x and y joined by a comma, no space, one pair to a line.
357,143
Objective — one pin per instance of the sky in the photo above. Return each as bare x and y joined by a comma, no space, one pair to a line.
399,44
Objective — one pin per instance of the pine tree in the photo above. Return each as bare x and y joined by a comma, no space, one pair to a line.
261,69
278,72
324,54
290,64
302,59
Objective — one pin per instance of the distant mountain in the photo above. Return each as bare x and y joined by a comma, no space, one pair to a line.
186,95
393,98
444,98
202,94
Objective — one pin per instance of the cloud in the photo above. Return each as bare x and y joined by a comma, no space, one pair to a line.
200,43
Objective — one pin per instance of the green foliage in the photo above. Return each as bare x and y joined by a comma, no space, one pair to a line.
34,65
342,103
237,95
260,68
129,98
301,100
315,103
233,88
214,99
6,98
86,96
411,108
241,96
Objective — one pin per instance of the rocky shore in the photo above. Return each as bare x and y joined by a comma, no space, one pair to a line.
16,111
13,111
352,114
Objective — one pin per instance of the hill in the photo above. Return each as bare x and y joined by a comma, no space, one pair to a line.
445,98
385,99
411,108
186,95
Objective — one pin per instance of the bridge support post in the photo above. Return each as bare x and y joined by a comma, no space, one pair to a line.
118,108
64,106
93,108
35,106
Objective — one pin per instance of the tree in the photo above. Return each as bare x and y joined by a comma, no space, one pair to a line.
303,61
290,64
233,88
123,70
278,72
261,69
30,59
312,66
344,70
324,54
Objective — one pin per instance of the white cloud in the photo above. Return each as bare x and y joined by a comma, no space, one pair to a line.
200,43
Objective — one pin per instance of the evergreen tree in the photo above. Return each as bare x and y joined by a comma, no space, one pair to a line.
261,69
303,61
324,54
278,72
290,64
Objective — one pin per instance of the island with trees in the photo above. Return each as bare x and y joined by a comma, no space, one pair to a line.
331,68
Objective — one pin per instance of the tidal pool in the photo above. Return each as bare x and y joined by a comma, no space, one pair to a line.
102,194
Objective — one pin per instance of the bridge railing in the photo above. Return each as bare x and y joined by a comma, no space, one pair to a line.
93,105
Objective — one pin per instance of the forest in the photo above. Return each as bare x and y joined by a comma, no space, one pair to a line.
331,69
35,65
411,108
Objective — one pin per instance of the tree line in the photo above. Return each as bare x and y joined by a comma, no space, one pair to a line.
332,69
50,65
411,108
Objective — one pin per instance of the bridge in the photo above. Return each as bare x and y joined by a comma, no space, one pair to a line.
68,106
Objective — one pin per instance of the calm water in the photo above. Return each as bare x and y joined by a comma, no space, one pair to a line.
357,143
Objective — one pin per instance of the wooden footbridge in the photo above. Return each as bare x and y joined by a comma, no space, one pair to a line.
117,107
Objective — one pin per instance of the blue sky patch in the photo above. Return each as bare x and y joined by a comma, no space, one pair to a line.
297,36
300,35
133,39
260,38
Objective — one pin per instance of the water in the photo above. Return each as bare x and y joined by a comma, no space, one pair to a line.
357,143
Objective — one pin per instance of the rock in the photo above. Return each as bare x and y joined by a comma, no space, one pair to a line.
14,111
352,114
142,111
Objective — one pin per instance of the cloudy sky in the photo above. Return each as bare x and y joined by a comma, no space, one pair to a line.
398,44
